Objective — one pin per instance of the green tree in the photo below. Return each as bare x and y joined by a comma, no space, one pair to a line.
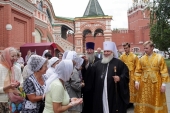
160,24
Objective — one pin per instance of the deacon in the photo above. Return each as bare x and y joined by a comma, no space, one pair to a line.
131,60
151,76
90,59
111,79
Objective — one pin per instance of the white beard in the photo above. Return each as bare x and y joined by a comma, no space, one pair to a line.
90,57
106,60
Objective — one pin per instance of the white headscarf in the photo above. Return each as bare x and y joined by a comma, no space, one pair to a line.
72,55
65,54
35,62
52,61
62,71
46,51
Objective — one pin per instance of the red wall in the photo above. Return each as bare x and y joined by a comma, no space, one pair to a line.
22,27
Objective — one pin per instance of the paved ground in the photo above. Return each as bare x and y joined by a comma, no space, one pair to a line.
167,97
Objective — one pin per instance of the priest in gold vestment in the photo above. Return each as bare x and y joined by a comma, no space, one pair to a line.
130,59
151,76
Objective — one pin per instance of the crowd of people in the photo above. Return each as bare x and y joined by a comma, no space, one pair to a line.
93,82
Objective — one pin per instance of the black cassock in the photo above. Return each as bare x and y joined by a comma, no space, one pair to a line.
117,101
87,90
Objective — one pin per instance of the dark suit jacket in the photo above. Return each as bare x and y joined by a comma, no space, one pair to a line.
97,55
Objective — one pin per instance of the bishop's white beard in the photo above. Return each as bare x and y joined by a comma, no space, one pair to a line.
91,57
106,60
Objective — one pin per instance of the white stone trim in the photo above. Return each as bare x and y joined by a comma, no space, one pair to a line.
41,23
43,38
23,6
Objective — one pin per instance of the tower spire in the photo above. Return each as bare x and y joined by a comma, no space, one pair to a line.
93,9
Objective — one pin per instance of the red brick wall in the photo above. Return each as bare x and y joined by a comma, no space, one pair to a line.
138,22
123,36
98,40
2,27
22,27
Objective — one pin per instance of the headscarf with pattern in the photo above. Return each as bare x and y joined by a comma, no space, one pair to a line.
35,62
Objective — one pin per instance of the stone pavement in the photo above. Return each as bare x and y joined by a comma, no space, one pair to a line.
131,110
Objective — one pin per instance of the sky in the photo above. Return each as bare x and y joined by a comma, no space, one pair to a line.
76,8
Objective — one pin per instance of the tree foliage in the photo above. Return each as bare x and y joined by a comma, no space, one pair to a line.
160,24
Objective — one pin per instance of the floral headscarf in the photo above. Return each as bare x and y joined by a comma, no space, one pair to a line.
6,61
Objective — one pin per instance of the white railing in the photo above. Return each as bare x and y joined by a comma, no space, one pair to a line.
64,44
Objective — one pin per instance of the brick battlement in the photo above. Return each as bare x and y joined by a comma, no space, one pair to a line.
122,31
136,7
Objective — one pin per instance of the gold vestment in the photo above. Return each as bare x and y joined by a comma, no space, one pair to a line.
151,72
131,61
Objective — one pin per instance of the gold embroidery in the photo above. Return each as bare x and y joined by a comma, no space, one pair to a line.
151,106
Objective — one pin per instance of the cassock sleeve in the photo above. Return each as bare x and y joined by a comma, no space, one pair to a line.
136,61
138,70
124,83
164,71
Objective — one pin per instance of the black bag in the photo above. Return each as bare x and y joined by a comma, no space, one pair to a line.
42,105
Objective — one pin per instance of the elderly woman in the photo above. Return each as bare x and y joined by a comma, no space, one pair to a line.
34,85
51,65
10,79
57,99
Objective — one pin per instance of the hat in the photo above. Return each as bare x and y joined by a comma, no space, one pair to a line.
52,61
90,45
35,62
108,45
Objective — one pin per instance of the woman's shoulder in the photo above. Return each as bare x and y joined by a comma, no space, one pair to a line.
29,79
2,66
56,83
3,69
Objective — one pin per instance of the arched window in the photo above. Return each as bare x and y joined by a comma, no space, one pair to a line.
87,32
49,15
37,36
98,32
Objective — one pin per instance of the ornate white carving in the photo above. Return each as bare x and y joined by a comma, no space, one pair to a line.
23,6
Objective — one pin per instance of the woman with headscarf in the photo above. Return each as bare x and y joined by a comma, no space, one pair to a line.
27,56
10,79
52,63
57,99
65,54
26,71
45,51
34,85
75,84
